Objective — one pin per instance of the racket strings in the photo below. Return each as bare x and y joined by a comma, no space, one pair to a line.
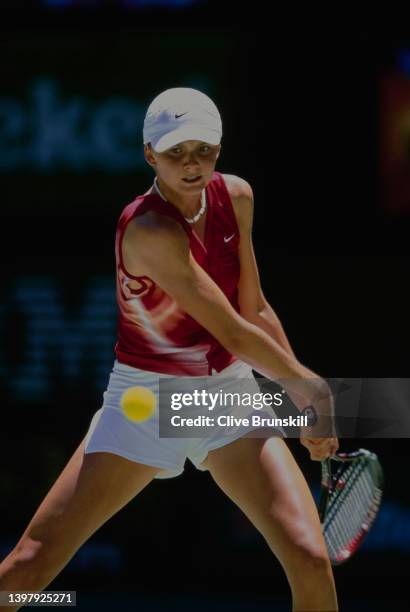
343,519
351,509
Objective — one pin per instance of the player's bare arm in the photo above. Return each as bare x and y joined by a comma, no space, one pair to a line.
253,305
157,246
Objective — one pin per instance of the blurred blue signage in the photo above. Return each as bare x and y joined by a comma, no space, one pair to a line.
51,131
58,345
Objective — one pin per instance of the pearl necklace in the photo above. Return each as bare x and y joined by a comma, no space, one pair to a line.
199,213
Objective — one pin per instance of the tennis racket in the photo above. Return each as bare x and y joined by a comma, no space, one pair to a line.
351,493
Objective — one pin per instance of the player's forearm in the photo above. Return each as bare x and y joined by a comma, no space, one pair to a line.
267,320
257,348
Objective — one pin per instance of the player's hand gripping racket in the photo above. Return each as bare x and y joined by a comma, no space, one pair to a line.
351,492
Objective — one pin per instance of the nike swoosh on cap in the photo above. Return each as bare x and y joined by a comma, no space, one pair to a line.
181,115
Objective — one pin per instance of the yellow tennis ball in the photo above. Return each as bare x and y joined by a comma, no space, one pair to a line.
138,403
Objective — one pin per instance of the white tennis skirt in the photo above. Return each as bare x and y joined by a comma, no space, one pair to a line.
110,430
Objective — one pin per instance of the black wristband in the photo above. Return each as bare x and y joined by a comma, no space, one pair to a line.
311,415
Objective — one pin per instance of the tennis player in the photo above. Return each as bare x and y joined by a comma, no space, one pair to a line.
190,305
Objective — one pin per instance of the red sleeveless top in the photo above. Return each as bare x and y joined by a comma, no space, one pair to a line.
154,332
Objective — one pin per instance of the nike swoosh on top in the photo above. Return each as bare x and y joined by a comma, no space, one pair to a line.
178,116
227,239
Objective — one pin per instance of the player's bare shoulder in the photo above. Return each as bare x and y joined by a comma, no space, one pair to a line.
237,186
150,240
242,197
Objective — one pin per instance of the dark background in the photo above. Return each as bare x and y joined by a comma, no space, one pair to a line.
303,103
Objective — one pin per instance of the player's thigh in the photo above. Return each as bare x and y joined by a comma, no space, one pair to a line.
91,488
262,477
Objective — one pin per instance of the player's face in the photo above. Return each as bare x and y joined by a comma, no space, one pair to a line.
191,159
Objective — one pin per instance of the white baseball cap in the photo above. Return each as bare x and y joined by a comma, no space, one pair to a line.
180,114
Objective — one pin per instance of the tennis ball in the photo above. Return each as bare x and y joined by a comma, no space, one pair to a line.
138,403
